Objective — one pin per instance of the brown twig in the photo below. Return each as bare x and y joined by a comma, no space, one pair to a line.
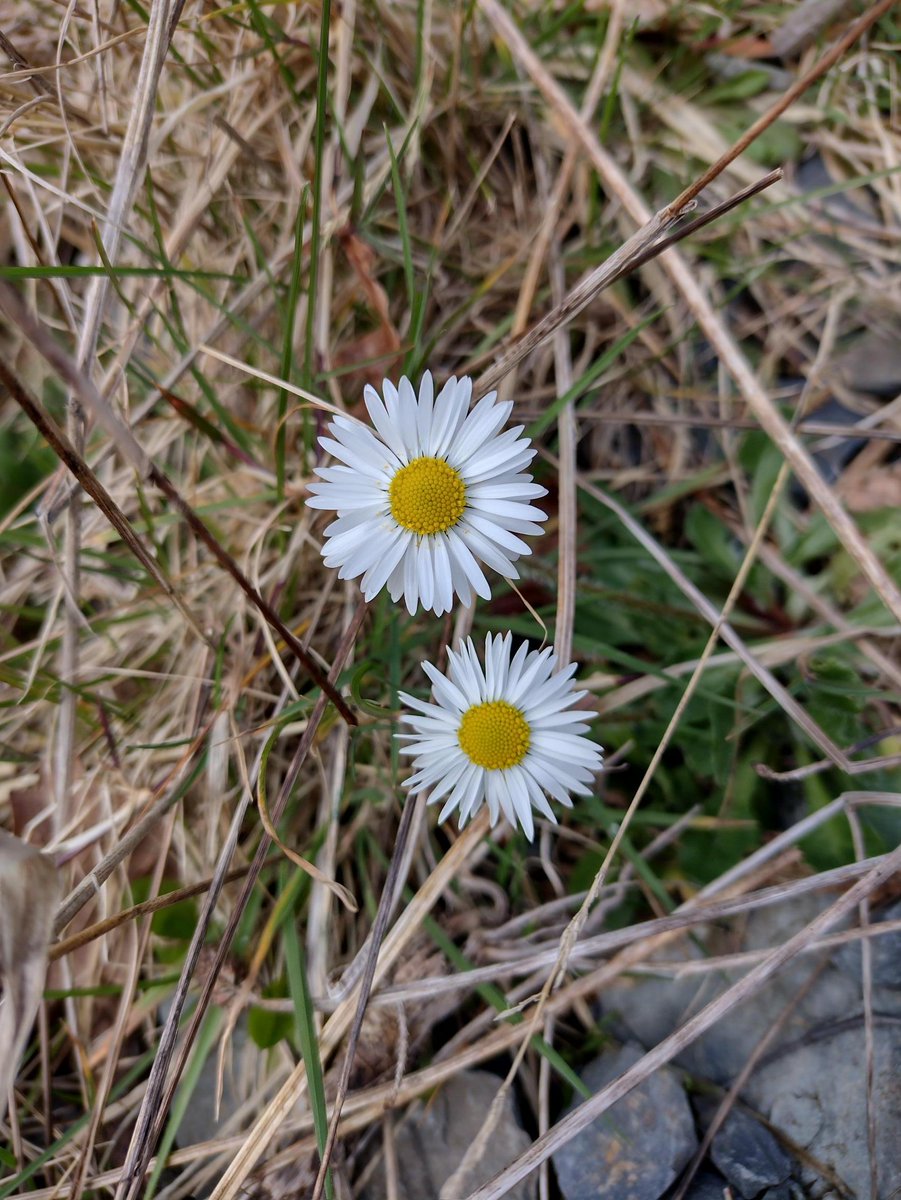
145,908
644,245
379,927
66,452
853,34
162,1084
80,384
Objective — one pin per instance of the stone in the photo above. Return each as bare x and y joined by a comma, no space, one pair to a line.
749,1156
784,1191
810,1082
649,1008
872,363
707,1185
815,1093
636,1149
885,952
431,1143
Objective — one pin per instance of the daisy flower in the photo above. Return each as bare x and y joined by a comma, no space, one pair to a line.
429,494
501,735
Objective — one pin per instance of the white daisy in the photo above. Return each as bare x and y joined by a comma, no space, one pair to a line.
429,494
501,735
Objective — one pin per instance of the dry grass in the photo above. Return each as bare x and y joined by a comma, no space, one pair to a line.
185,223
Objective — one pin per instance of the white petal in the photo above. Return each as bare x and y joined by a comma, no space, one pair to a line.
449,414
507,508
406,399
387,428
336,499
424,412
479,427
361,440
506,463
392,406
490,529
472,795
506,491
516,666
519,797
530,674
462,555
371,470
411,578
444,690
470,680
377,575
480,547
444,586
351,520
425,573
460,768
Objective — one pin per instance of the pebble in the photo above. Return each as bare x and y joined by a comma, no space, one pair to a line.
430,1144
749,1156
636,1149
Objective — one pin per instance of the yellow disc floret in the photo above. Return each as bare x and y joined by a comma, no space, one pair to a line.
494,735
427,496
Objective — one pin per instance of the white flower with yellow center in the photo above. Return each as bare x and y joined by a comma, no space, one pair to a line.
501,735
428,495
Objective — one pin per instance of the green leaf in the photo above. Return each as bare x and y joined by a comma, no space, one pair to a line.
712,540
269,1028
741,87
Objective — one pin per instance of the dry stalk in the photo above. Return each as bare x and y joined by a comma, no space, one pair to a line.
134,454
161,1084
731,356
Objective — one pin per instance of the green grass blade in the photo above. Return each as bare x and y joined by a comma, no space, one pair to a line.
307,1039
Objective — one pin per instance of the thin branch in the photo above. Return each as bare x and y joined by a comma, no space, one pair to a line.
133,452
644,245
66,452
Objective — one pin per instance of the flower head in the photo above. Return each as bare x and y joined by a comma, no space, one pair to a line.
429,494
501,734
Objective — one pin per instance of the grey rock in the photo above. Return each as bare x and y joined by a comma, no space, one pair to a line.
815,1093
784,1191
832,454
885,953
707,1185
203,1119
872,363
727,66
749,1156
813,174
431,1144
636,1149
810,1083
649,1009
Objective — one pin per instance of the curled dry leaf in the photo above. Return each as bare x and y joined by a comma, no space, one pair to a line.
29,894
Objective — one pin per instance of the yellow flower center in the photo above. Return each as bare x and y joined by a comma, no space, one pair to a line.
494,735
427,496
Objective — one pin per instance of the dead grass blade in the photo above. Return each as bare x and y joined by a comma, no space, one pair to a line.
336,1028
304,864
379,928
641,248
29,887
133,452
727,349
67,454
162,1084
